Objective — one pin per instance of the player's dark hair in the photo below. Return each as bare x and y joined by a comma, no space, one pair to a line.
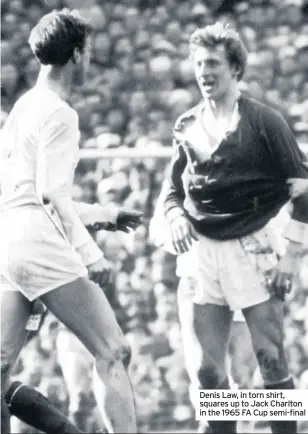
57,34
217,34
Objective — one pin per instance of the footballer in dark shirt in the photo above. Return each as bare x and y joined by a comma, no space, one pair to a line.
228,182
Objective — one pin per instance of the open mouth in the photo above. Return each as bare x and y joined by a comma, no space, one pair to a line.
208,84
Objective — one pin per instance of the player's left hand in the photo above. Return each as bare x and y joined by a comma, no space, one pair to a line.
298,186
280,279
128,220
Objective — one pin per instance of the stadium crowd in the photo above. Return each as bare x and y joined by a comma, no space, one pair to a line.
140,80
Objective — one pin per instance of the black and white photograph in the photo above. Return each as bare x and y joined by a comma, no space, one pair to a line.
154,216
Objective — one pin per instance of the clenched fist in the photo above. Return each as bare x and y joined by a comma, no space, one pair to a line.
99,271
127,220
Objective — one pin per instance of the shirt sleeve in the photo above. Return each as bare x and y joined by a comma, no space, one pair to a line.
175,194
56,162
290,161
94,213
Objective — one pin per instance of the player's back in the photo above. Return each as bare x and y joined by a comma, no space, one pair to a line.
21,138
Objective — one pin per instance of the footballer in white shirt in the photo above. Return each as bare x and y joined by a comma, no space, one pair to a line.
47,251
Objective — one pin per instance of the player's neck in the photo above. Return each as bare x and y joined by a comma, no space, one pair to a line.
224,106
57,80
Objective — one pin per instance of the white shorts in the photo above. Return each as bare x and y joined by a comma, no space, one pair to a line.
34,257
232,272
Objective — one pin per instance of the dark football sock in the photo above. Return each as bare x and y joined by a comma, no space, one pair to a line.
31,407
282,426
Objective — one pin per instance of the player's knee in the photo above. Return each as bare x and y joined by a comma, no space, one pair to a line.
209,377
118,353
123,353
272,363
127,355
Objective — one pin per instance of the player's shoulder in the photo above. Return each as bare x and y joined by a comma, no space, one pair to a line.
265,112
186,118
22,104
46,105
60,112
57,104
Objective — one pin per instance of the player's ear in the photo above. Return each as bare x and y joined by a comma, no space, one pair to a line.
76,55
236,69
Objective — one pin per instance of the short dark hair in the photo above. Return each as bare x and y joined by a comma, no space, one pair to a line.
219,33
57,34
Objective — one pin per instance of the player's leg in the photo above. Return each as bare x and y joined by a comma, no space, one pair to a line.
84,309
31,407
205,332
242,362
15,312
26,403
265,321
5,417
241,356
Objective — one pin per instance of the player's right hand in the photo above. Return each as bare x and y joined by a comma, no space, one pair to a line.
99,271
183,234
298,186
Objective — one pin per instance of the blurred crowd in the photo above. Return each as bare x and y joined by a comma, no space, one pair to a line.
140,80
